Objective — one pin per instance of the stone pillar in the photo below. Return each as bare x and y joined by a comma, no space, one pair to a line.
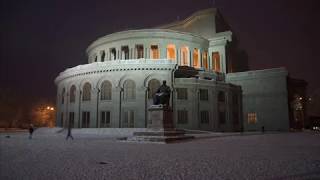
223,63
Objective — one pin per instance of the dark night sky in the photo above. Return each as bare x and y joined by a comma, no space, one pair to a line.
40,38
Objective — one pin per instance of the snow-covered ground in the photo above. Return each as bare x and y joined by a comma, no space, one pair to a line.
49,156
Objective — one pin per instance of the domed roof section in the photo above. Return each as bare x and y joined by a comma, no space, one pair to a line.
205,23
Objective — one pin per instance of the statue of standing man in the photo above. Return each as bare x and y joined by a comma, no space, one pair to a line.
162,96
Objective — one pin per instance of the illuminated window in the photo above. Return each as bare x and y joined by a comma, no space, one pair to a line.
184,59
62,95
205,60
204,94
252,118
86,92
124,52
139,49
103,55
105,119
113,53
182,93
129,90
216,61
128,119
182,117
154,52
85,119
153,86
196,57
106,88
204,117
171,52
72,94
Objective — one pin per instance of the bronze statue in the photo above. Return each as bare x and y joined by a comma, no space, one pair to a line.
162,96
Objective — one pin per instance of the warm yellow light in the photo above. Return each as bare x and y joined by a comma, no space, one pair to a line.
48,107
51,108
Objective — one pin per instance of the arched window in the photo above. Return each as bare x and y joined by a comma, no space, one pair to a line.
216,61
153,86
171,52
184,59
72,94
106,88
129,90
221,96
205,60
86,92
103,55
196,57
62,95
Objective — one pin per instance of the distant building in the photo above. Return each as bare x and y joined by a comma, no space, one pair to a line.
199,60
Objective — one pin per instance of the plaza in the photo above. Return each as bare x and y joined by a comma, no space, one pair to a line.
248,156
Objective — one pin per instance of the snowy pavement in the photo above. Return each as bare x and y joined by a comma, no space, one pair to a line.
268,156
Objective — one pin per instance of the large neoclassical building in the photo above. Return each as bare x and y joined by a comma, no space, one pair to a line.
196,57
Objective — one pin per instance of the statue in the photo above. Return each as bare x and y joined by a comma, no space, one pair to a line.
162,96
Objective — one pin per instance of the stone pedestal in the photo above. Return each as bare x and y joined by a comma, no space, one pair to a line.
160,117
160,127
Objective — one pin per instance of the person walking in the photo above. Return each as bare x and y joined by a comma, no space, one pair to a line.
69,132
30,131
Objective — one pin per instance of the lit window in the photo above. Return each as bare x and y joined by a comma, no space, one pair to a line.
216,61
196,62
252,118
182,117
182,93
171,52
154,52
205,60
184,59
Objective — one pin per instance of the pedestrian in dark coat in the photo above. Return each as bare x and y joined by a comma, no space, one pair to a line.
69,132
30,131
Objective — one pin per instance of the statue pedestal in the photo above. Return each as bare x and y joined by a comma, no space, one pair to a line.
160,127
160,117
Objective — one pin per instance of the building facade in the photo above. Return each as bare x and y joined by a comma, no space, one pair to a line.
126,68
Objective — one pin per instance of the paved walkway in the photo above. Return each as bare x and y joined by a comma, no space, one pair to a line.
268,156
